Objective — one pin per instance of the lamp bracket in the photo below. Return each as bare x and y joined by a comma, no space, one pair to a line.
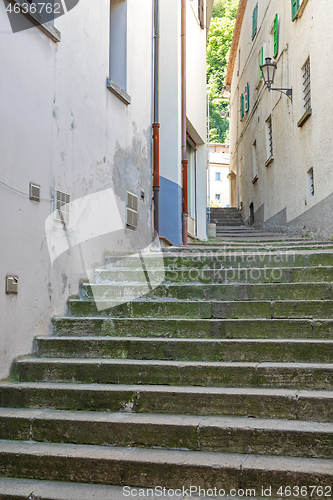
287,92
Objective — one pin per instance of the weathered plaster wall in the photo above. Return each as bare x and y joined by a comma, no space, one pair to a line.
282,186
63,129
170,115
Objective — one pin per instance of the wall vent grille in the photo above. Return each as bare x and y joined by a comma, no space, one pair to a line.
34,192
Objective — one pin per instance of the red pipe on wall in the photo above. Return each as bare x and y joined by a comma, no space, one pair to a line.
184,160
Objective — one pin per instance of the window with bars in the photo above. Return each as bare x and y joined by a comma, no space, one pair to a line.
310,182
61,206
269,138
306,85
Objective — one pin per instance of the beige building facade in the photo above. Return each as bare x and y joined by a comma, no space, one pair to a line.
219,182
281,148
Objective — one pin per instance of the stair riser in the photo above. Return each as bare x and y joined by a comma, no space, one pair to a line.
218,329
206,310
303,407
184,351
283,291
146,474
220,260
203,437
206,376
232,275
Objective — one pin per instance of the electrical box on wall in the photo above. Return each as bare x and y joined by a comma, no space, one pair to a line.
11,285
34,192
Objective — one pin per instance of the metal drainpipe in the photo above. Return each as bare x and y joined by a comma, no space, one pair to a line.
184,160
156,125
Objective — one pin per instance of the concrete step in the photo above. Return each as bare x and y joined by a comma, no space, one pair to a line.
314,376
222,434
214,291
200,309
265,403
169,468
192,328
253,350
236,274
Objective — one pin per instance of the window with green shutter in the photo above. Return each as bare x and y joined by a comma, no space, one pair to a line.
242,106
247,98
260,62
254,21
294,9
276,35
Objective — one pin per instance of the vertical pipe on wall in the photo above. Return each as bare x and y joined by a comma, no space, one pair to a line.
184,160
156,125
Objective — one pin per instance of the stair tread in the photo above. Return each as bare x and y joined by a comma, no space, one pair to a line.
246,423
159,340
70,386
175,363
57,490
177,457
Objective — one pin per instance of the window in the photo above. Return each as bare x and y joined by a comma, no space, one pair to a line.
118,49
217,176
260,62
255,21
247,98
218,197
131,210
276,36
242,106
269,139
306,85
310,182
254,162
294,9
61,206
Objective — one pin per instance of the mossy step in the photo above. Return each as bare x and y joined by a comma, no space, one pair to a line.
202,309
316,376
231,275
192,328
222,259
260,403
170,468
222,434
214,291
185,349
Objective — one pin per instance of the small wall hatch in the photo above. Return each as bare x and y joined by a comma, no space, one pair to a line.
61,206
34,192
12,285
132,210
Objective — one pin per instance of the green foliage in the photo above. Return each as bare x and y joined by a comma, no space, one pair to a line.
218,47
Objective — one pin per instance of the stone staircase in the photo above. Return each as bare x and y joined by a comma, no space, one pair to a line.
226,217
220,377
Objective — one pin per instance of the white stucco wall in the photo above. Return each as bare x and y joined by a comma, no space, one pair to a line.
280,193
62,128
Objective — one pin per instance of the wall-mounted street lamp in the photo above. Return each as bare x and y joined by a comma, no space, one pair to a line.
268,70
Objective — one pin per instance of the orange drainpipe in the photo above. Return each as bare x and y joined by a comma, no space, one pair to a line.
184,160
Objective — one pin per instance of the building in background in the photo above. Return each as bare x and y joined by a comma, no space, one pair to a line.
198,15
282,149
219,182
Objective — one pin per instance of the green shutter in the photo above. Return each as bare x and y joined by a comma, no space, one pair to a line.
254,21
247,98
276,35
242,106
260,62
294,9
